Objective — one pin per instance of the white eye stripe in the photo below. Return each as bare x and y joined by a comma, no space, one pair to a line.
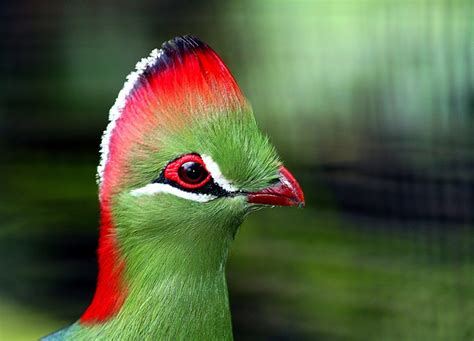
211,166
156,188
216,174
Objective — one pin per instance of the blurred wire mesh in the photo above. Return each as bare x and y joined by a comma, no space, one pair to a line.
370,102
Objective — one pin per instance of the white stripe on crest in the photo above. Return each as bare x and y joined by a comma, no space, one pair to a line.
116,110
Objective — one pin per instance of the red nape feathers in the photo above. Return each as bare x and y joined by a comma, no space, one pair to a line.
184,80
111,291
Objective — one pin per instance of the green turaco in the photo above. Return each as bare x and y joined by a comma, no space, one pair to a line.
182,163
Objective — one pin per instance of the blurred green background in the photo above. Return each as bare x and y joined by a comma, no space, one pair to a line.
370,103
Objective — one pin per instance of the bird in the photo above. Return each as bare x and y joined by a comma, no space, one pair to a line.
182,164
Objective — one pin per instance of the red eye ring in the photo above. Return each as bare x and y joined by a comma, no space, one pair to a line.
174,172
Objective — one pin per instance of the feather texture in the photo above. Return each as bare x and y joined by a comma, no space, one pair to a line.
161,255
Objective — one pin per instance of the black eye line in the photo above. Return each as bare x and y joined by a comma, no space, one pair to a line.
211,187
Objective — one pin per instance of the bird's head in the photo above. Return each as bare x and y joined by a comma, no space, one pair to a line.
183,152
182,163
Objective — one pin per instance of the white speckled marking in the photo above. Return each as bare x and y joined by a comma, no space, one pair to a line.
116,110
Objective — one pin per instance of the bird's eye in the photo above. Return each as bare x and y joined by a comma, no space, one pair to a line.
192,172
188,171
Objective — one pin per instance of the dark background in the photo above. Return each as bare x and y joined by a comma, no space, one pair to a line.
370,103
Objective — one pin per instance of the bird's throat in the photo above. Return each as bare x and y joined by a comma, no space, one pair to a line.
170,289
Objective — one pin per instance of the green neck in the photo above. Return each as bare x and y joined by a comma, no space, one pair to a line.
178,292
176,283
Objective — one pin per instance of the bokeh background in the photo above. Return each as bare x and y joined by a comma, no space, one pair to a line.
370,103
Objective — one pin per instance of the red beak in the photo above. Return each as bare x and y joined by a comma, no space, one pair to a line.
287,192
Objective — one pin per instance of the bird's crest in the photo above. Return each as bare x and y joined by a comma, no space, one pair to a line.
181,81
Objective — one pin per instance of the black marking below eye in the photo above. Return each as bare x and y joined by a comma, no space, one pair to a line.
209,187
